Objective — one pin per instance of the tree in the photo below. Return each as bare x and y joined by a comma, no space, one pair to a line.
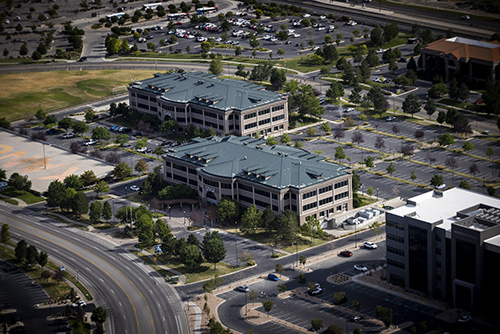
413,176
250,219
100,187
65,123
56,194
335,91
311,131
357,138
42,259
467,146
464,185
213,248
430,107
369,162
80,128
99,316
339,153
31,255
391,169
215,282
5,234
419,134
491,190
271,141
268,306
285,138
279,269
88,178
122,170
227,210
216,66
107,211
277,78
335,329
19,182
21,251
90,115
101,133
489,152
372,58
287,226
95,211
348,75
268,219
317,324
445,139
436,180
385,314
302,260
50,120
190,256
376,36
411,105
325,127
438,90
441,117
378,99
141,166
302,279
73,181
79,203
473,169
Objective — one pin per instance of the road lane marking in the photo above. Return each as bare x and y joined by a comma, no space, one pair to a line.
72,251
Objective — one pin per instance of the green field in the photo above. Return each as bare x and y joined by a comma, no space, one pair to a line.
22,95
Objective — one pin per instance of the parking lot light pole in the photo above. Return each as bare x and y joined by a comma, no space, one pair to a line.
377,194
246,305
236,242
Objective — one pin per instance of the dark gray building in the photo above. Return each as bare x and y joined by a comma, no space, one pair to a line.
250,172
200,99
446,245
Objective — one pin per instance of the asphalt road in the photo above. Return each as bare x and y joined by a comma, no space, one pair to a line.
136,298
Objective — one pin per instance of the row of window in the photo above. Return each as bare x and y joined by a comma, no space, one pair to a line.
179,167
396,238
309,194
396,251
250,115
264,112
396,264
278,118
341,184
278,108
326,200
251,125
341,195
397,226
309,206
265,121
325,189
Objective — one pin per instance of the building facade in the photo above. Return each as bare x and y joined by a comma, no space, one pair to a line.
248,171
446,245
463,57
227,106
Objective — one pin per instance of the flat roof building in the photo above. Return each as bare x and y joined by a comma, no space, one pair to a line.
228,106
248,171
446,245
463,57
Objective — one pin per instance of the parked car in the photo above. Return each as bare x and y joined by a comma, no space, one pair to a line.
316,291
380,51
359,267
440,187
134,188
370,245
390,118
68,135
356,318
242,288
272,277
346,253
52,131
141,150
464,318
90,142
479,101
79,303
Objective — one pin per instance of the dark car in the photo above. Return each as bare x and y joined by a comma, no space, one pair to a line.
272,277
52,131
346,253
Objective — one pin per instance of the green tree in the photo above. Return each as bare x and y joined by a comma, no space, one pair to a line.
385,314
90,115
5,234
95,211
107,211
378,99
430,107
277,78
391,169
216,66
335,329
348,75
441,117
438,90
56,194
141,166
122,170
446,139
42,259
190,256
41,115
100,187
50,120
411,105
489,152
287,226
65,123
19,182
31,255
251,219
213,248
271,141
464,185
99,316
214,283
145,230
372,58
80,128
101,133
335,91
339,153
468,146
79,203
325,127
88,178
268,306
73,181
413,176
376,36
369,162
21,251
228,210
285,138
436,180
317,324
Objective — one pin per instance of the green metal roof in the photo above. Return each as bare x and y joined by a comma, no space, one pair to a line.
207,90
250,159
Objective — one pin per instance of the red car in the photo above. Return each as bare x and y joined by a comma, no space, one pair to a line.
479,101
346,253
178,23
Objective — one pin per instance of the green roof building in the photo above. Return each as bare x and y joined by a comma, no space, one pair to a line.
250,172
227,106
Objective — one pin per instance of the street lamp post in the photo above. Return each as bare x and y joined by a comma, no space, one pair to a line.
184,215
236,242
377,194
246,305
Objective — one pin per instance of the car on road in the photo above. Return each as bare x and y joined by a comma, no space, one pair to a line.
464,318
68,135
272,277
134,188
370,245
359,267
390,118
78,304
346,253
242,288
465,17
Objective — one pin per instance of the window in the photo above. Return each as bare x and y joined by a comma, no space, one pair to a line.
251,125
294,208
278,108
294,196
309,194
180,178
264,112
438,237
438,264
262,192
275,196
193,182
275,208
250,115
438,251
166,107
168,164
341,184
225,185
396,264
395,225
169,175
265,121
309,206
341,195
325,189
245,187
246,199
396,251
278,118
179,167
396,238
325,201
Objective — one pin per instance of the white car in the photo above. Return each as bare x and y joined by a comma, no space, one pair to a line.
380,51
78,303
296,35
306,15
352,23
68,135
359,267
321,28
134,188
243,288
440,187
370,245
322,17
90,142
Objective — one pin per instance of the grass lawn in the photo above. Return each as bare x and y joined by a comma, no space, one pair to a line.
27,197
22,96
205,271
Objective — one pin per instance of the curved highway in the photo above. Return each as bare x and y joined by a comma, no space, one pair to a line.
136,297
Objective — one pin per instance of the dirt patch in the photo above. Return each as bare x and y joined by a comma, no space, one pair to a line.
338,279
